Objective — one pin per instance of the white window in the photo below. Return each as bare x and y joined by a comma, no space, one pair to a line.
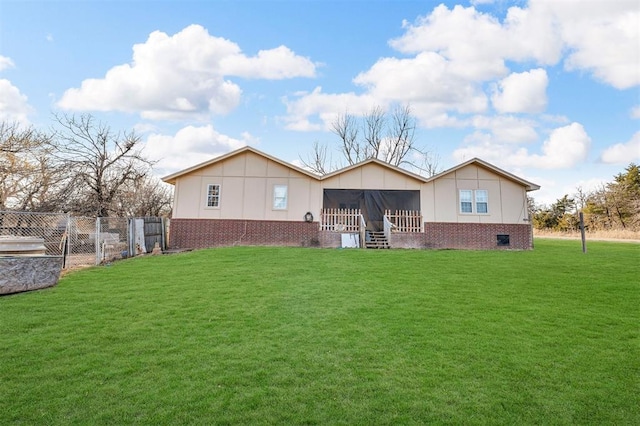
482,201
474,201
213,195
466,201
279,197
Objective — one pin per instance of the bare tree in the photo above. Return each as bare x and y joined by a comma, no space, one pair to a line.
102,161
373,126
146,196
391,140
346,128
318,162
28,173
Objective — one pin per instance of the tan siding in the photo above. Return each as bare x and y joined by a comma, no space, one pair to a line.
469,172
235,166
212,170
255,198
278,170
247,181
467,184
427,202
256,165
246,190
486,174
298,198
191,196
446,200
495,201
505,197
373,176
515,204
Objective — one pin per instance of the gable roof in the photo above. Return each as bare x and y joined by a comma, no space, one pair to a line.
172,177
529,186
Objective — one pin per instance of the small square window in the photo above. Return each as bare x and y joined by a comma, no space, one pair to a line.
280,197
503,239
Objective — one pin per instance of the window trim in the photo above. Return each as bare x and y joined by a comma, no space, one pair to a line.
485,202
469,202
208,195
275,206
473,201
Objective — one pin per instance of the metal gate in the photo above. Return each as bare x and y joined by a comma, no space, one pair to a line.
85,241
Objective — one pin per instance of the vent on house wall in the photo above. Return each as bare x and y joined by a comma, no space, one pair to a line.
503,239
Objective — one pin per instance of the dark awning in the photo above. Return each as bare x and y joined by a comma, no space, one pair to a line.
371,202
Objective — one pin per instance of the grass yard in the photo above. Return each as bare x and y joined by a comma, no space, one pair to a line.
253,335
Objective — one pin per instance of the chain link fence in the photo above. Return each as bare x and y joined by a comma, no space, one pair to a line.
85,241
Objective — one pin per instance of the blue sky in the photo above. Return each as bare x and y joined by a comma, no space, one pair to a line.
546,89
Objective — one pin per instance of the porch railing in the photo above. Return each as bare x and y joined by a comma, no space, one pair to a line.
405,220
341,220
387,226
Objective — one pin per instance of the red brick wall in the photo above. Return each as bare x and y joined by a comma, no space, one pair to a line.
466,236
202,233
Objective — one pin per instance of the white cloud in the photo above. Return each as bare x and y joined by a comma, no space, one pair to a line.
145,127
623,153
478,43
522,92
506,129
635,112
566,147
5,62
190,145
184,75
326,106
275,64
601,36
457,51
428,79
13,104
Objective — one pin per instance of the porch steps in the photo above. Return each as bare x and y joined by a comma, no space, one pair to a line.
376,240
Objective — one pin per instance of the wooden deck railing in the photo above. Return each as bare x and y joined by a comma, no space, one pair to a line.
405,220
341,220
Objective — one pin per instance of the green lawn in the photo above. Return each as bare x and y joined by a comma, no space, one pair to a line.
253,335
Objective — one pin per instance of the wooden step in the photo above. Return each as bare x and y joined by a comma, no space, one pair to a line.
377,240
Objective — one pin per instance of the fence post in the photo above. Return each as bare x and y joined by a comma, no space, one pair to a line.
66,242
163,225
97,240
131,231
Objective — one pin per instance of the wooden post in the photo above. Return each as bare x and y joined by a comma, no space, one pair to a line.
584,242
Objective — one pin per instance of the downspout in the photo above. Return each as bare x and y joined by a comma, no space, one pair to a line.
243,234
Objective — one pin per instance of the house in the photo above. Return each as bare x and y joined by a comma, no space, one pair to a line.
247,197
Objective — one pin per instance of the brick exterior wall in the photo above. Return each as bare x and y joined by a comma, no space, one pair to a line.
478,236
203,233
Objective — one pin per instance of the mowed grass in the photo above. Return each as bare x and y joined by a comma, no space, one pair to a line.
255,335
